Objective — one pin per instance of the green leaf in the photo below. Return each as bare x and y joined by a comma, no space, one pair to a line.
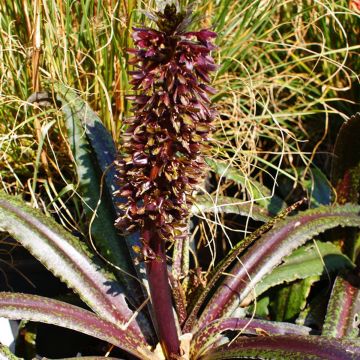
315,259
98,136
94,153
228,205
17,306
270,249
286,347
260,308
67,258
319,188
288,301
257,191
343,312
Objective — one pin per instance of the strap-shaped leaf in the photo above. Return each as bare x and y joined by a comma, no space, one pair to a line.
94,154
318,188
315,259
98,136
343,312
345,174
17,306
288,301
207,336
229,205
6,354
201,294
67,258
268,252
287,347
345,170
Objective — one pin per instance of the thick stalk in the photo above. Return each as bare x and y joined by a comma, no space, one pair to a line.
160,294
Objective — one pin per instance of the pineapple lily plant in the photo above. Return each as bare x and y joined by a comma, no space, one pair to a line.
139,300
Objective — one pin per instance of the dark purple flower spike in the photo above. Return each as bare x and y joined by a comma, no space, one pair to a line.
163,143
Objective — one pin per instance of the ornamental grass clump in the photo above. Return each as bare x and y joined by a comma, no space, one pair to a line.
164,141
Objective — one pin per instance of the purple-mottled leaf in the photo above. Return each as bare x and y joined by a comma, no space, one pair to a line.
208,335
67,258
229,205
201,294
343,311
287,347
345,175
268,252
17,306
345,170
314,259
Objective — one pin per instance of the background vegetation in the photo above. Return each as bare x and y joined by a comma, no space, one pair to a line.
287,80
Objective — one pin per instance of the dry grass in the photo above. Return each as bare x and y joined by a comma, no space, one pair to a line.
283,64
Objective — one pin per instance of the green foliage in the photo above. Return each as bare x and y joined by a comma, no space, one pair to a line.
316,259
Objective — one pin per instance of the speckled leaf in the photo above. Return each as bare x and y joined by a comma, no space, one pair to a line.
287,347
94,153
309,260
97,135
345,172
229,205
257,191
345,176
67,258
205,338
343,311
17,306
6,354
200,295
268,252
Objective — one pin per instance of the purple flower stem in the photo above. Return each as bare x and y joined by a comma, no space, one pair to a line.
161,295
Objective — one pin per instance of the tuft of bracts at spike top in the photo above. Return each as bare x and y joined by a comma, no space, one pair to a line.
163,144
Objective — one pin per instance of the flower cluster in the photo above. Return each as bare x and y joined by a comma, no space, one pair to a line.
172,116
